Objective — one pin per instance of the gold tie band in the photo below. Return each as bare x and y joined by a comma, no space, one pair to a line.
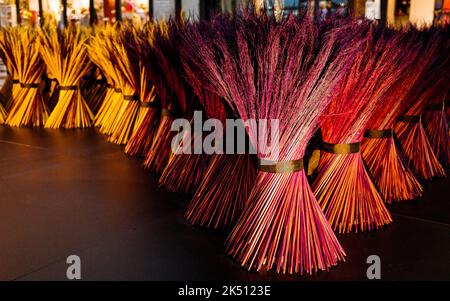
341,149
280,166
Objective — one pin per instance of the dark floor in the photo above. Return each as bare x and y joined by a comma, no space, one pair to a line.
66,192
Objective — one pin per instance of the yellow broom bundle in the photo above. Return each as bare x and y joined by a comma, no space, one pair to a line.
101,51
66,57
28,108
9,51
126,59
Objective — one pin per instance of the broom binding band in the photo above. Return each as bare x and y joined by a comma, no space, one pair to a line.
133,97
379,134
15,81
435,107
289,166
29,85
68,88
150,104
341,149
410,118
166,112
117,90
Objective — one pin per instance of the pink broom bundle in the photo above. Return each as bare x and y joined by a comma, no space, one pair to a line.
185,169
286,73
432,86
228,179
394,180
170,89
342,186
28,108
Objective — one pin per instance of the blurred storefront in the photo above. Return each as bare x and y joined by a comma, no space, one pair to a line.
86,12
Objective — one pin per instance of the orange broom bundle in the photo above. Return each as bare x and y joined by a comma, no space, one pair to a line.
28,108
9,51
126,58
392,177
342,186
432,86
149,111
101,53
66,58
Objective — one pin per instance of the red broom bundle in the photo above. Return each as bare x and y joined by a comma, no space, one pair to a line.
342,186
28,108
394,180
169,85
228,180
281,72
435,116
437,129
432,86
65,56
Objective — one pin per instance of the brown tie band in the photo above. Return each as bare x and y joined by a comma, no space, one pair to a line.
409,118
379,134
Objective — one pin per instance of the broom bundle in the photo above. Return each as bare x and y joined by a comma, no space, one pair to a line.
93,89
165,74
102,52
342,186
435,115
126,58
432,86
229,178
9,51
147,120
65,56
28,107
261,75
186,168
392,177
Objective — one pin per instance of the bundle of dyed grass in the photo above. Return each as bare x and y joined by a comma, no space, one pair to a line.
102,52
9,51
262,75
432,86
147,121
165,76
126,58
28,108
394,180
435,115
186,165
229,178
342,186
93,89
65,56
